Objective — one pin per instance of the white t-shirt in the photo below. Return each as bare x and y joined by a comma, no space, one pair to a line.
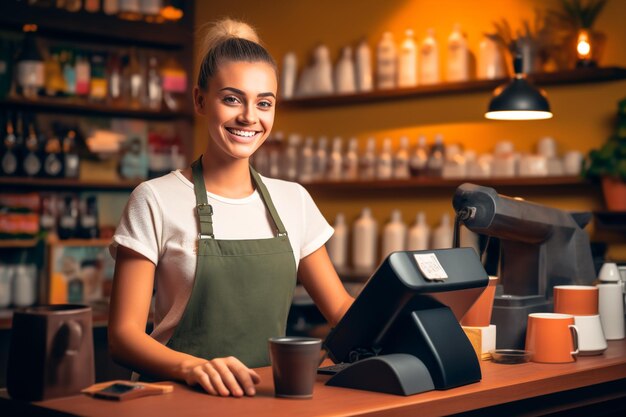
160,223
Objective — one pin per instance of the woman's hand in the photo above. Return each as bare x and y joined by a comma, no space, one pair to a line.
224,377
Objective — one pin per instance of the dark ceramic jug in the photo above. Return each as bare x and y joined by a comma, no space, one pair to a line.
51,353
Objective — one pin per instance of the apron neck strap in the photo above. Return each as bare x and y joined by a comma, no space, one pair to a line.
205,211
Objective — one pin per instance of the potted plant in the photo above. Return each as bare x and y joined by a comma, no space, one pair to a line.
608,164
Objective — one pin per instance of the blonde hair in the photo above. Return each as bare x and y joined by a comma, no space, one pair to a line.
229,40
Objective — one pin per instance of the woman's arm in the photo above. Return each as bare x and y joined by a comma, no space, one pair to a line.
318,276
131,346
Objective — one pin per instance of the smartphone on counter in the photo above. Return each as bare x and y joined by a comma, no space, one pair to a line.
125,391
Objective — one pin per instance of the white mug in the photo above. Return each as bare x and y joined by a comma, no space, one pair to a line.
611,306
591,340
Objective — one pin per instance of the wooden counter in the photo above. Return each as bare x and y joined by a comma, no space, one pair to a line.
591,384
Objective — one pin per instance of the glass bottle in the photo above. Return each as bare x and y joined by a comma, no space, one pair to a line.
92,6
134,81
174,78
419,159
69,72
290,167
73,5
9,162
155,88
307,160
19,150
115,83
401,159
30,66
407,61
98,84
71,161
83,75
54,82
151,10
384,162
53,164
32,161
367,162
351,160
88,223
129,10
68,220
436,157
320,163
47,215
335,162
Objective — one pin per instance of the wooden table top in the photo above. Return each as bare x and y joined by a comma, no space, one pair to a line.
500,384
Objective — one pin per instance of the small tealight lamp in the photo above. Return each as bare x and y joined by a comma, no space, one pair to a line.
584,49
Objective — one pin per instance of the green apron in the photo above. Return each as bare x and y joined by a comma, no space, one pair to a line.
242,289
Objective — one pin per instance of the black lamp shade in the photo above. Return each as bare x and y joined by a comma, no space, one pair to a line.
518,100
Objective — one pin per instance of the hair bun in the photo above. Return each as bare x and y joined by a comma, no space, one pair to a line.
224,29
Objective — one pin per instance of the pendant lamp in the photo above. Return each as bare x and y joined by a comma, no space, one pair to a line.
518,100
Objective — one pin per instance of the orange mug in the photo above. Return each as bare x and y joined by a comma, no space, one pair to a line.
552,337
578,300
479,314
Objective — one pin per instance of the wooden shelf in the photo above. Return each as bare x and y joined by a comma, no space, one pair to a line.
20,184
98,27
425,182
81,107
18,243
577,76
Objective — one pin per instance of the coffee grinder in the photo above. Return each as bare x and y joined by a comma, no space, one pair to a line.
540,247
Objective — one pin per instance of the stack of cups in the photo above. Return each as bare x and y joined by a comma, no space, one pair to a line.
611,301
581,301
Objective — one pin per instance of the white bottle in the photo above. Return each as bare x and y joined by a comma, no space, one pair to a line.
290,161
394,235
338,243
458,68
307,161
364,243
363,67
384,162
344,73
335,162
351,160
322,76
407,61
490,60
288,79
419,234
442,235
367,162
401,160
418,162
25,285
429,59
386,62
321,159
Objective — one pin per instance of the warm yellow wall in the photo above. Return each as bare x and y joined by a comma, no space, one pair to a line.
583,113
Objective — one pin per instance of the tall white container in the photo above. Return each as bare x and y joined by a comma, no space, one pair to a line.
363,67
611,307
458,64
442,235
351,160
335,162
338,243
365,239
407,61
429,60
344,73
288,79
394,235
401,160
490,60
419,234
386,62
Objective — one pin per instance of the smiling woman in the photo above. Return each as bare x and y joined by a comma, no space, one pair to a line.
222,245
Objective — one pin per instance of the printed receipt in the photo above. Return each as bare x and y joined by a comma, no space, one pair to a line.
430,267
